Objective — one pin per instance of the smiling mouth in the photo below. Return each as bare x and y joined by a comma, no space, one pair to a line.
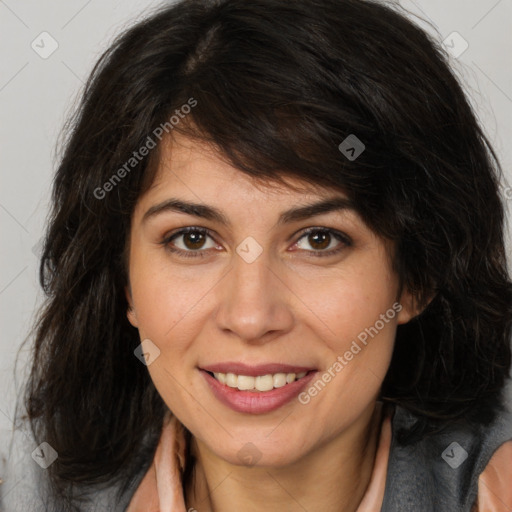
257,384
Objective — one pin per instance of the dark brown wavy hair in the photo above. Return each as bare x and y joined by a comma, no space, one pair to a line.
278,85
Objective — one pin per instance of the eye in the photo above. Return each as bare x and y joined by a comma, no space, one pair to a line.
193,240
325,242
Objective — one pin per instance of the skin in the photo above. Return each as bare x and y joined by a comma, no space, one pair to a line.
287,306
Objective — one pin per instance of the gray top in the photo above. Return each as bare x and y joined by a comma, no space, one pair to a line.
438,474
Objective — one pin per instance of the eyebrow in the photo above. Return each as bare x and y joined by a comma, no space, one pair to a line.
214,214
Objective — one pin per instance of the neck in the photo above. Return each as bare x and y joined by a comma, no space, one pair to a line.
332,478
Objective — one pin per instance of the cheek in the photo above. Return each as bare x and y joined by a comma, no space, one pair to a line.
166,303
347,305
356,318
164,297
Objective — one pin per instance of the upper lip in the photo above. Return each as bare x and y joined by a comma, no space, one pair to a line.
255,370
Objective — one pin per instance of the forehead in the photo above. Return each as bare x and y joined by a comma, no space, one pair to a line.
197,168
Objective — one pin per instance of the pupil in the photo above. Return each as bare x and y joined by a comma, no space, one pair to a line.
196,238
324,237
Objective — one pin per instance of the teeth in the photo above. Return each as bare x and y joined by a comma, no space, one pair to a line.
290,377
242,382
260,383
264,382
279,380
231,380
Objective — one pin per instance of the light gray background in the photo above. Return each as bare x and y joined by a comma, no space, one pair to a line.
37,94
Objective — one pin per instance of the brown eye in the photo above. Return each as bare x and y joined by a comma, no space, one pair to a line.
192,243
324,242
319,239
193,240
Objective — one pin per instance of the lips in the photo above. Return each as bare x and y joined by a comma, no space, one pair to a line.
252,401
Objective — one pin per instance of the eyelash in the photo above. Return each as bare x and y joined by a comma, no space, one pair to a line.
341,237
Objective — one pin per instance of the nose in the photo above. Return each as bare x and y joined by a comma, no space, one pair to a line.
254,301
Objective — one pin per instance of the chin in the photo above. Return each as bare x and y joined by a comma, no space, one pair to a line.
257,453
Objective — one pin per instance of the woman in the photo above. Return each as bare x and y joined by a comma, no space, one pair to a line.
275,272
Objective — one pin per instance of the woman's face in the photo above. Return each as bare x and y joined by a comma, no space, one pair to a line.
254,290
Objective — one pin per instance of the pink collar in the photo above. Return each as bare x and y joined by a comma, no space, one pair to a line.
161,488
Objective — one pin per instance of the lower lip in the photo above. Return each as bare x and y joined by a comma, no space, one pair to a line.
256,402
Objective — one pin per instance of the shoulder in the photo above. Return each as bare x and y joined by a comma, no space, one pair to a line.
445,467
495,482
24,484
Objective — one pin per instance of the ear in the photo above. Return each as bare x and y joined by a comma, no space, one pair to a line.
409,307
130,313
